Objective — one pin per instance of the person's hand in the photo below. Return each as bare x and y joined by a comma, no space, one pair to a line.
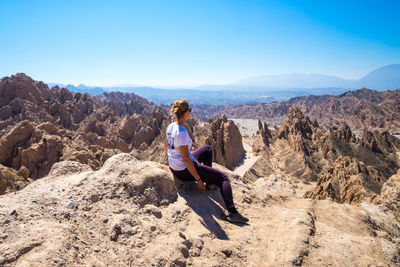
201,185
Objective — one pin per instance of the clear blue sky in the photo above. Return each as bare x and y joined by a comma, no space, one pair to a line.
189,42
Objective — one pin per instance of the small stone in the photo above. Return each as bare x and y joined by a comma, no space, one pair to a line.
153,210
227,252
1,240
184,251
35,200
116,231
187,244
198,242
182,235
94,198
14,212
164,202
70,205
105,220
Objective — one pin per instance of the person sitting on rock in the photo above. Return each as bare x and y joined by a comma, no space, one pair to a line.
187,166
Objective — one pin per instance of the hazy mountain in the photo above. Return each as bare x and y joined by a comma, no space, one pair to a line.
297,80
261,89
384,78
81,88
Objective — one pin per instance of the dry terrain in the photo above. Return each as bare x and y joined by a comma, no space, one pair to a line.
128,213
84,182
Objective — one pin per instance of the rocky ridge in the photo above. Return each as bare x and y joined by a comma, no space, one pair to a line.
262,139
358,109
346,168
40,126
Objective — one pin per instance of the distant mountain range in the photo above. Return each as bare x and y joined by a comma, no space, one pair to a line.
261,89
383,78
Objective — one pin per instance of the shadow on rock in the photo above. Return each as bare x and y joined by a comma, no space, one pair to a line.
203,204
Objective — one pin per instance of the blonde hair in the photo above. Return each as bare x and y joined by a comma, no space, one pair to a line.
180,107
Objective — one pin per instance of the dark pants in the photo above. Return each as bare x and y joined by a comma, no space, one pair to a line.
208,174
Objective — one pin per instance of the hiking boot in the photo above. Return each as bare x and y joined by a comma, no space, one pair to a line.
236,218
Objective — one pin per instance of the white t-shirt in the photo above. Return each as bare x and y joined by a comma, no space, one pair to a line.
177,136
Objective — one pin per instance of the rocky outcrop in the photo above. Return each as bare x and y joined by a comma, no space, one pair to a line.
128,104
16,138
40,126
78,217
139,130
296,129
12,180
358,109
226,142
32,150
389,197
262,139
380,142
347,169
345,134
15,87
348,180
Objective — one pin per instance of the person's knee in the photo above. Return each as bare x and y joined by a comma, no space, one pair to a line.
225,178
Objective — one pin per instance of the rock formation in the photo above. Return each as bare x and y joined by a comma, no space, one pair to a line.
40,126
358,109
380,142
75,216
296,129
347,169
262,139
345,134
226,141
348,180
94,203
389,197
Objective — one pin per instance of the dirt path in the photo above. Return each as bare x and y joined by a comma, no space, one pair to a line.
248,160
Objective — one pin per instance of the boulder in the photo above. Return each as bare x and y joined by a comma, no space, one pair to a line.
226,141
18,136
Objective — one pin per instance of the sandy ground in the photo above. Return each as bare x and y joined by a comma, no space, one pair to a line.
249,127
248,160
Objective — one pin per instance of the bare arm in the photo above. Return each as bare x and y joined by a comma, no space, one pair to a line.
166,145
190,166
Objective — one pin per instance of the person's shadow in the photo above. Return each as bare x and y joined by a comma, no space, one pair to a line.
204,204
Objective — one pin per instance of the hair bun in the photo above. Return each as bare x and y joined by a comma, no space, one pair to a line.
180,107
